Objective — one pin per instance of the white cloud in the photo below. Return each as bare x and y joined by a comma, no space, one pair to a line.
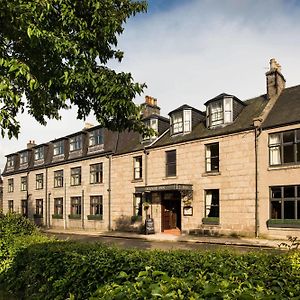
195,51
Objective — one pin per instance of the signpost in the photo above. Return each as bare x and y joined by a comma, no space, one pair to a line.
149,226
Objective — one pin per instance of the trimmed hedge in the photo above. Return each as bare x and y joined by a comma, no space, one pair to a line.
42,268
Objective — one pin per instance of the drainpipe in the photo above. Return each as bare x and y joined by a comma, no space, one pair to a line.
46,199
49,195
65,205
109,191
256,133
82,209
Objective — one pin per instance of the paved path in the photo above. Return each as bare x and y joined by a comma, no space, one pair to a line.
166,241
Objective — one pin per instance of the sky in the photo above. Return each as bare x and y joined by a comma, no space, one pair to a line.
189,51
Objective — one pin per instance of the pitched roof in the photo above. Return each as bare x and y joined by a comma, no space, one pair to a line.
185,106
286,110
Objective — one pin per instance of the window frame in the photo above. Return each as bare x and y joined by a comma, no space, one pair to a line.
96,207
60,147
22,156
75,205
138,170
207,146
10,162
23,186
138,205
39,153
58,178
10,206
170,163
10,185
75,174
217,206
96,173
96,137
76,143
179,128
58,206
281,146
39,208
39,181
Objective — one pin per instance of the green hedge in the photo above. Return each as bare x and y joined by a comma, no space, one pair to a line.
43,268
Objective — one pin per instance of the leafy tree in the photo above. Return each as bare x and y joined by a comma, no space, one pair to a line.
55,52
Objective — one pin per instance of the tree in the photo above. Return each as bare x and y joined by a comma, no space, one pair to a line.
55,53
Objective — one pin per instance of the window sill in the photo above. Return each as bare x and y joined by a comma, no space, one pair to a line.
95,217
57,217
137,180
206,174
169,177
75,217
283,223
210,221
71,185
98,183
283,167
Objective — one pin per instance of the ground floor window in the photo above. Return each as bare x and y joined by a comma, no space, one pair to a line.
285,202
58,206
96,203
24,208
212,204
10,206
137,205
39,207
75,206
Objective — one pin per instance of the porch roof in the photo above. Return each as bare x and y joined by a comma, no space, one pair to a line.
164,187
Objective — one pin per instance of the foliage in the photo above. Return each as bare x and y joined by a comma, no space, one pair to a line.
43,268
55,52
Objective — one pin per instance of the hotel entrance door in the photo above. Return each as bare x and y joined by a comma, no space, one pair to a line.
171,211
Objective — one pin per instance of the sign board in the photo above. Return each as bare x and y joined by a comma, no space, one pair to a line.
149,226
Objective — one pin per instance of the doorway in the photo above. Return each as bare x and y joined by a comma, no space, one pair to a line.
171,211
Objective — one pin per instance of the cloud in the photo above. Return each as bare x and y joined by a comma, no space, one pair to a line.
192,51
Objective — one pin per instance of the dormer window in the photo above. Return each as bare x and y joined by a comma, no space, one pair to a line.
58,148
76,143
10,162
153,124
181,121
222,110
24,158
95,137
39,153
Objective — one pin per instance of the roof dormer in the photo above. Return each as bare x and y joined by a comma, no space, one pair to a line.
183,118
222,110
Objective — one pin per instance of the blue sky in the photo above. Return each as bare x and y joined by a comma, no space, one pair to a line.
189,51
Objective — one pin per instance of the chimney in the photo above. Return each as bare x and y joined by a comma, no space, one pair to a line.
275,80
87,125
31,144
149,107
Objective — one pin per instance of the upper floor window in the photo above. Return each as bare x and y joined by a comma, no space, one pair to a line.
95,137
58,178
24,158
153,124
24,183
58,148
39,153
212,157
285,202
76,176
219,112
10,183
96,173
137,167
170,163
284,147
76,143
177,122
39,181
10,162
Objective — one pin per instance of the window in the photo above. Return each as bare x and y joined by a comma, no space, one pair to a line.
24,158
284,147
24,208
216,113
76,143
137,167
212,204
187,117
95,137
58,148
10,206
39,153
39,181
96,205
177,122
75,206
170,163
24,183
58,206
212,157
153,124
285,202
10,182
76,176
137,205
10,162
39,207
96,173
59,178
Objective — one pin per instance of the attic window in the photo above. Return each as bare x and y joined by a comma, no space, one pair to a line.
39,153
219,112
153,124
10,162
181,121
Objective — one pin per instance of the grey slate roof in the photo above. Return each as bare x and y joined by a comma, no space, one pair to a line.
286,109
